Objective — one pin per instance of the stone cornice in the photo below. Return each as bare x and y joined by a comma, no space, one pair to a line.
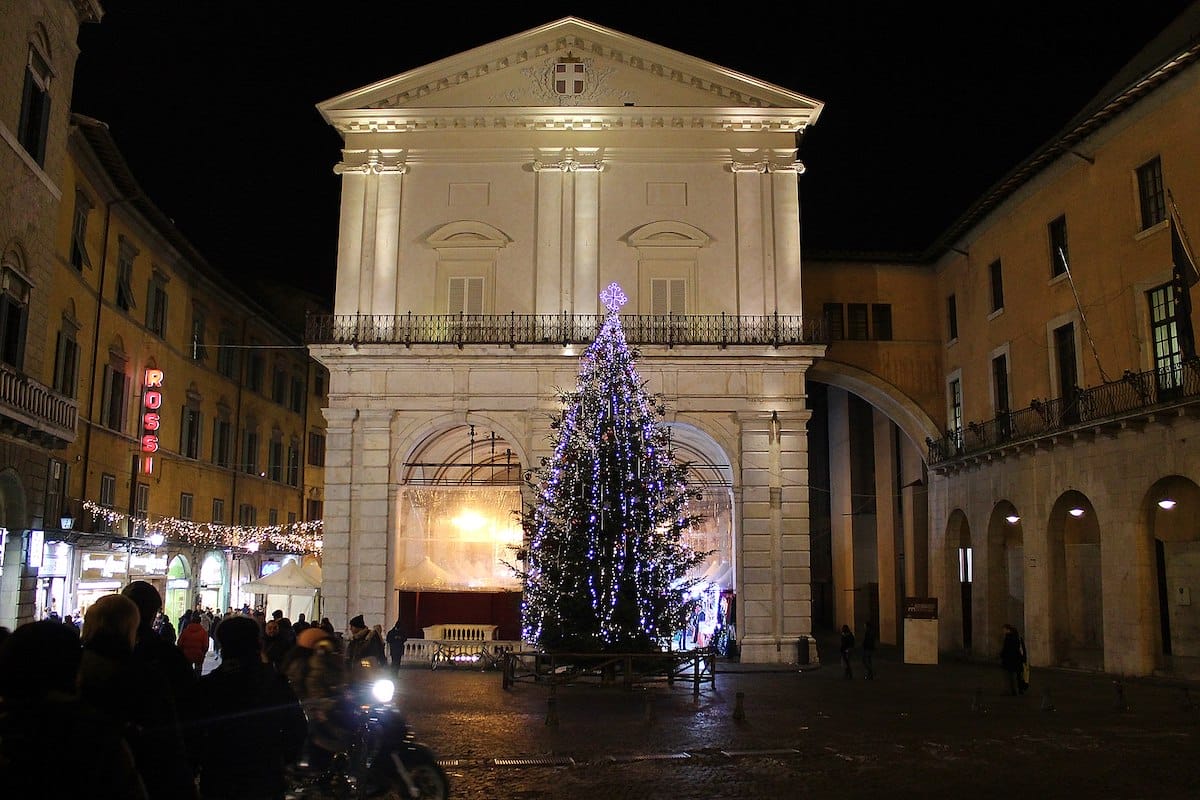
532,118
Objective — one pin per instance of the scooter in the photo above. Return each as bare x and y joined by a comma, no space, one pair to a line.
381,759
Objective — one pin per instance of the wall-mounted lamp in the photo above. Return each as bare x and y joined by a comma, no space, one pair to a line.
252,547
1166,504
1012,519
155,539
66,522
1076,512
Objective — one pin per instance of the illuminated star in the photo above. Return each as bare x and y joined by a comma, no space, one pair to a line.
613,298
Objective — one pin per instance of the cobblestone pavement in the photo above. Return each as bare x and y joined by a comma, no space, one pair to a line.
947,730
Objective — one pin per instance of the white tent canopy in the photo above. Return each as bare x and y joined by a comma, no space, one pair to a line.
292,588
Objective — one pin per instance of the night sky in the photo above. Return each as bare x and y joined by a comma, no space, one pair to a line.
213,103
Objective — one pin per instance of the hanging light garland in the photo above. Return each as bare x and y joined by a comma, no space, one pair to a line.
293,537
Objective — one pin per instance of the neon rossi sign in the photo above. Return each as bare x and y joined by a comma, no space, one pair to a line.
151,403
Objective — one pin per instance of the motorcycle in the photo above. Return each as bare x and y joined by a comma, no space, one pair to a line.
381,758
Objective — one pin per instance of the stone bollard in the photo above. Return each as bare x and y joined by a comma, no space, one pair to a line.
739,709
1119,703
977,700
1047,704
552,712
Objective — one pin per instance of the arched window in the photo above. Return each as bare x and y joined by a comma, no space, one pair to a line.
35,97
668,257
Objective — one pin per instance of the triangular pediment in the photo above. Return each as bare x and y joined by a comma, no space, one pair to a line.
569,64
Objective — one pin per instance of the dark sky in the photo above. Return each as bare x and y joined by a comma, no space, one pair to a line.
213,103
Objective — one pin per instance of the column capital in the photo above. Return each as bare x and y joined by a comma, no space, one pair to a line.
372,162
569,159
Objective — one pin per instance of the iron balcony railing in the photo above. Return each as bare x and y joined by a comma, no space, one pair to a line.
36,411
723,330
1133,393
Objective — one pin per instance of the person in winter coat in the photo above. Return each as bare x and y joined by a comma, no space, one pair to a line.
1012,659
156,652
364,644
847,646
38,707
135,696
317,675
193,642
395,642
246,701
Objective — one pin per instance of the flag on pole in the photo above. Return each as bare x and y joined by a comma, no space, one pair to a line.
1184,276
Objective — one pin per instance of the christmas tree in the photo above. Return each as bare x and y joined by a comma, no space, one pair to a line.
606,565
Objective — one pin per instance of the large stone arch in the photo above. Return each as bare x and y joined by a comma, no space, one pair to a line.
956,610
903,410
1075,580
1003,575
1169,542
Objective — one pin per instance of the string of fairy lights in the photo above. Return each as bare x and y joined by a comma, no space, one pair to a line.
292,537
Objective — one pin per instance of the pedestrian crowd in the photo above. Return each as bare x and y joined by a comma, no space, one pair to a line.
129,686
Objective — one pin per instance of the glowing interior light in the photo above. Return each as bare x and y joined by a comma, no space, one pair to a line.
155,539
1166,503
252,547
1076,512
1012,519
469,520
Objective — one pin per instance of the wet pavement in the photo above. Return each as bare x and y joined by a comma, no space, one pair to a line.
915,731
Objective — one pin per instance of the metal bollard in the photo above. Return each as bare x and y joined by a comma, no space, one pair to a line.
739,709
552,712
1119,703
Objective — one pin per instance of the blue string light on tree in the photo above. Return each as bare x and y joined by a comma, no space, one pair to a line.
606,563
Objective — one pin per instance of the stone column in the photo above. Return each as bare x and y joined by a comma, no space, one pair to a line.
751,290
760,599
335,557
887,526
390,179
350,233
841,508
795,544
548,282
785,216
370,520
18,584
586,238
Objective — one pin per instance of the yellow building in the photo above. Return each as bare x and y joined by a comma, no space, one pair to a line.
194,403
37,418
1040,358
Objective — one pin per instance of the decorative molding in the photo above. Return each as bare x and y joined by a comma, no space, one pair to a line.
765,166
734,120
571,160
372,162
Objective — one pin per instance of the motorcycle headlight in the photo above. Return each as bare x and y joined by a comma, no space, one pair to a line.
383,690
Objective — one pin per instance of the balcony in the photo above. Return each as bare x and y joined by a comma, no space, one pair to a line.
1109,406
721,330
35,412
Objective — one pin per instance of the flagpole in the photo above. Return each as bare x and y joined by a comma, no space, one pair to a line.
1082,317
1187,243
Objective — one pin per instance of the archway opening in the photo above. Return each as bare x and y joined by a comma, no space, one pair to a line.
960,578
179,588
1172,506
1077,604
1005,571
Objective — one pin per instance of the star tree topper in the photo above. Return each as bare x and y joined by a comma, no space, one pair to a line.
613,298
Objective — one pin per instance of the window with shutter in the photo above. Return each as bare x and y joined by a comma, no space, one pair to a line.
465,295
668,296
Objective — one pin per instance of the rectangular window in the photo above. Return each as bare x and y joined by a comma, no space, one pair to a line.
56,491
79,253
227,360
66,363
272,516
35,107
319,382
668,296
291,518
156,305
833,318
250,451
279,385
956,407
315,509
1164,332
189,435
141,507
185,505
275,460
254,371
293,463
881,321
465,296
247,514
1000,384
196,344
996,276
126,253
108,498
115,399
218,510
297,399
856,321
952,318
1059,254
222,442
316,449
1151,197
14,308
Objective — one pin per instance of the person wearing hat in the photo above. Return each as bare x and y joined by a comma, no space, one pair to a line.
364,644
318,675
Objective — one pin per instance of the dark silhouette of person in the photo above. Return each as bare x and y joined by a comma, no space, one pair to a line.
39,662
252,726
870,639
846,647
1012,659
395,642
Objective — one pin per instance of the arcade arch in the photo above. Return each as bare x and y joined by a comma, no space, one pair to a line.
959,569
1005,573
1169,509
1077,598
